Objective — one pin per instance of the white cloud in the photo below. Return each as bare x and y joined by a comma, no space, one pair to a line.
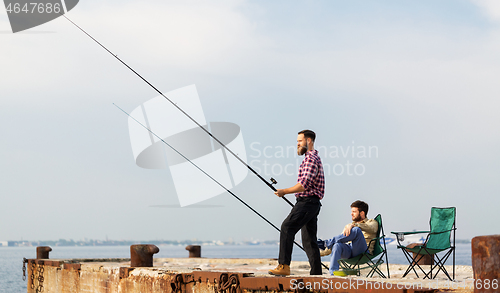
441,87
196,37
193,35
490,7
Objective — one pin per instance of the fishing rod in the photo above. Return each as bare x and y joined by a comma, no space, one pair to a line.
273,181
209,176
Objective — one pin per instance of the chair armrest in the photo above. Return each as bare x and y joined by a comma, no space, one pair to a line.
440,232
409,233
399,239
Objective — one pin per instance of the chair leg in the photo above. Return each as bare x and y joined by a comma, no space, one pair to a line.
440,263
430,272
387,264
417,260
407,255
413,262
372,266
345,265
453,247
375,268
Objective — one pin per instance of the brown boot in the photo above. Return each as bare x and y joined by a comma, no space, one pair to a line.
281,270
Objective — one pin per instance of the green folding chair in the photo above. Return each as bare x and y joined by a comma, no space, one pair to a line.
442,224
370,259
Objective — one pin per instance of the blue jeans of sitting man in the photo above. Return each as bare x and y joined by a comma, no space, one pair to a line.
340,249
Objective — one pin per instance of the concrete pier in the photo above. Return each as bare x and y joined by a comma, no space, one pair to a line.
215,275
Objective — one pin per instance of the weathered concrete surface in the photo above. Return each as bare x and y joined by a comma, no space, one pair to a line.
486,263
212,275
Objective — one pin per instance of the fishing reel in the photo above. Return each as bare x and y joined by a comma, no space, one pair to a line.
273,181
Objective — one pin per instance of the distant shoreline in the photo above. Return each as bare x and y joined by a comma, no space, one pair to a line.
92,242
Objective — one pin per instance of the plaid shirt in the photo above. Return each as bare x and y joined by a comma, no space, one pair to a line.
311,176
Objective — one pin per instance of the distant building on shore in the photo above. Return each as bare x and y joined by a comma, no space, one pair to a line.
4,243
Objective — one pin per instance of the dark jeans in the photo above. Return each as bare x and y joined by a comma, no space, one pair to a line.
304,217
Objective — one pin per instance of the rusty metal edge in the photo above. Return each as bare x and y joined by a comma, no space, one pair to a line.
250,282
46,262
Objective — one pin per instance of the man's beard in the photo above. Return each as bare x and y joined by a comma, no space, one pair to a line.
301,150
357,219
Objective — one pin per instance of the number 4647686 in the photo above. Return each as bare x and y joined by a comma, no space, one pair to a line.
34,8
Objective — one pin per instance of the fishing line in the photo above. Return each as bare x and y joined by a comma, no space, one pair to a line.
183,112
209,176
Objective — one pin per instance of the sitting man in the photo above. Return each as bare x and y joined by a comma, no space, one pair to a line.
360,232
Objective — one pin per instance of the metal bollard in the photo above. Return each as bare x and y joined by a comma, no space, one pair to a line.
486,262
42,252
141,255
194,250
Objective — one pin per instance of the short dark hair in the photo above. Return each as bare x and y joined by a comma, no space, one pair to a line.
308,134
361,206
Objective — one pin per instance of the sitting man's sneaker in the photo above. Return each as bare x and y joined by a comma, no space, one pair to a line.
325,252
321,244
281,270
339,274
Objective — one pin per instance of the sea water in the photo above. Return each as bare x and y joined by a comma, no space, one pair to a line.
11,258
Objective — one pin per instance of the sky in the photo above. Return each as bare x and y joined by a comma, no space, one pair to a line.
403,97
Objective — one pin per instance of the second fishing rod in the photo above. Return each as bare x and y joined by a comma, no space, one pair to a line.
270,184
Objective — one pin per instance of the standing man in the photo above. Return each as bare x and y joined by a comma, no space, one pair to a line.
309,190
